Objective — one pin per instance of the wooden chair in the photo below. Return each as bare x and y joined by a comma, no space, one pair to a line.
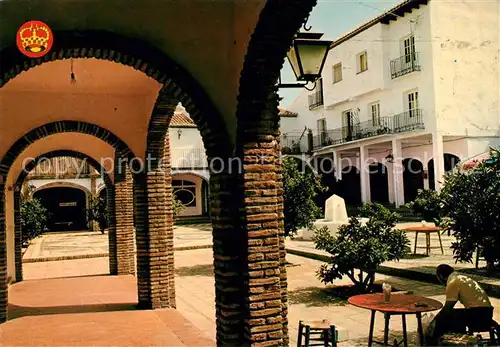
317,333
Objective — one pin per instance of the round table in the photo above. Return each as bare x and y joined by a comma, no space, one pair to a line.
399,304
427,230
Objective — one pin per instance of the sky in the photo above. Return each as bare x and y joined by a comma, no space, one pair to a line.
334,18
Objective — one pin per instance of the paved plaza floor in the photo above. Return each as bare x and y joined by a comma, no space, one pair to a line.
56,245
308,297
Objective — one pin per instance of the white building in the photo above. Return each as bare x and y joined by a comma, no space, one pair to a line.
404,97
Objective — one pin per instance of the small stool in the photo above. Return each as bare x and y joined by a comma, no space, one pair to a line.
314,331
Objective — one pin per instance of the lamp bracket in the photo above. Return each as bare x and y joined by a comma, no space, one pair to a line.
305,25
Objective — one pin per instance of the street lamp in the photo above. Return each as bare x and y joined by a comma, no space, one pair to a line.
307,57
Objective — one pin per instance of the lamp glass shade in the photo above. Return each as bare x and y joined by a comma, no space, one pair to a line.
294,62
311,55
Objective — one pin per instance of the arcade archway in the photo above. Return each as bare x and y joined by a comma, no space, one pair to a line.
66,207
379,183
450,161
413,178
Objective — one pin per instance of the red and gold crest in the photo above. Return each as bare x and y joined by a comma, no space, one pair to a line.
34,39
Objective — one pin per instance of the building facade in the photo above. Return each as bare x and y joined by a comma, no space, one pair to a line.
402,99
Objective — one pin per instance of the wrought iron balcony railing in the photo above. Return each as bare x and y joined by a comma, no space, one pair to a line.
406,121
405,65
315,99
190,158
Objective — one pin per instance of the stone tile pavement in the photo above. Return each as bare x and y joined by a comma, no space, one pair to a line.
307,295
307,298
90,311
51,246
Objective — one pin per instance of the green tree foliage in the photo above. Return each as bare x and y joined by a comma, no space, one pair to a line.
98,212
358,249
34,216
428,205
378,212
178,207
300,188
471,202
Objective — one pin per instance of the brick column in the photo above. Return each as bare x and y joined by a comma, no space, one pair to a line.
282,249
154,230
110,209
18,255
124,213
4,295
94,225
230,253
263,224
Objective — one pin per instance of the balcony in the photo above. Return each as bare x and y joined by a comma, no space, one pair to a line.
406,121
404,65
315,99
191,158
295,143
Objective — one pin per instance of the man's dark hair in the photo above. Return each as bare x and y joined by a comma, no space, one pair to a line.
444,270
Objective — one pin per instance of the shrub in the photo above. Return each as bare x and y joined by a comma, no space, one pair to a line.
361,248
428,205
34,217
300,189
471,200
378,212
178,207
98,212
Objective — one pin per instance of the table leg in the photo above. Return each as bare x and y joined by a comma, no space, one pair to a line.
427,243
440,243
301,331
387,317
405,336
420,329
372,323
416,240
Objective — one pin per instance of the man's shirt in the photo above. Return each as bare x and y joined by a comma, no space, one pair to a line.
467,291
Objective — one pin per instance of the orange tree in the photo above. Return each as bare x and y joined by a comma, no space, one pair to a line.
471,202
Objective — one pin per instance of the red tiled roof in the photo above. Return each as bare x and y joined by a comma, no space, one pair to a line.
283,112
181,118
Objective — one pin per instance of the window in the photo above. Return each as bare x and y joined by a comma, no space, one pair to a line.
185,192
408,47
347,121
321,125
322,129
375,113
337,73
412,103
362,62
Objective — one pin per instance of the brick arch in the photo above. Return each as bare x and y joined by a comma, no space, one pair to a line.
24,174
61,127
17,148
140,55
261,185
64,185
63,153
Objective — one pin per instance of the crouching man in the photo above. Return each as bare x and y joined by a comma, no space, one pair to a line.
477,313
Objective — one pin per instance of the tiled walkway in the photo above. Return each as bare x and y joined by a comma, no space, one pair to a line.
308,298
99,310
95,244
